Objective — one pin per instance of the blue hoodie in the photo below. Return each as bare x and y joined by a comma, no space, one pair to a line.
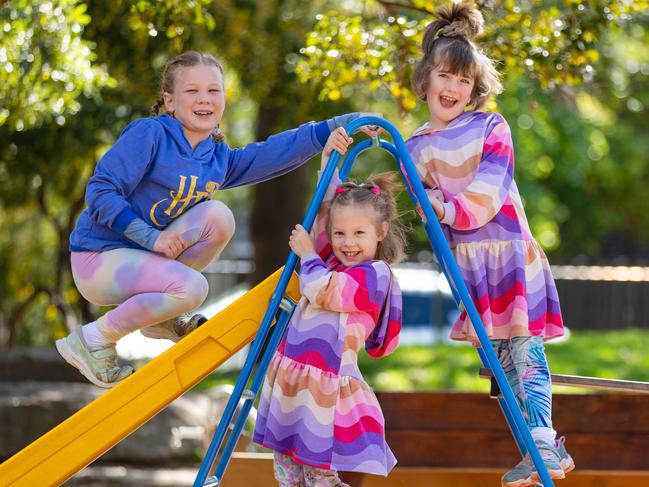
152,175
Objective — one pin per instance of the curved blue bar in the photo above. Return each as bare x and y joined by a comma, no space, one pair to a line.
449,267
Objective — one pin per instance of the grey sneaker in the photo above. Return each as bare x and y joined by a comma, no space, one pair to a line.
99,367
176,328
520,475
550,457
566,461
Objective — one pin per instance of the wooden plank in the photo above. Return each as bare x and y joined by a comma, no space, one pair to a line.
440,411
425,477
600,413
249,470
256,470
603,431
596,383
480,449
452,411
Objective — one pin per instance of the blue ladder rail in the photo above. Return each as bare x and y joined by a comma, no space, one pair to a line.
397,149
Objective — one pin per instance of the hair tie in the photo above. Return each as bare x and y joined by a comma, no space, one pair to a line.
376,189
340,189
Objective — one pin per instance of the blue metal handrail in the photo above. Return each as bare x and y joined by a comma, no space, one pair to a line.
440,246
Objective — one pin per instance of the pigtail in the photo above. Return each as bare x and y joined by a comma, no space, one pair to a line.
155,109
392,248
217,134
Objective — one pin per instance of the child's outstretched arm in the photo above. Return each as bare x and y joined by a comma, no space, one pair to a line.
340,141
280,153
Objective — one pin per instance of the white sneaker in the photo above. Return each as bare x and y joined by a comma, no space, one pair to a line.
176,328
99,366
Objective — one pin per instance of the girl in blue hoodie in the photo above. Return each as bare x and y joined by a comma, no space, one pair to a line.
150,225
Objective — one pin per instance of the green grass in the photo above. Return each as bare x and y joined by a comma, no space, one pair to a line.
611,354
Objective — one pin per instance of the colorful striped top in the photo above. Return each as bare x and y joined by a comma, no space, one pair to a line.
472,163
469,166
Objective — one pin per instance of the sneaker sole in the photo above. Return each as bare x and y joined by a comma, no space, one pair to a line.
157,333
68,355
568,465
518,483
554,475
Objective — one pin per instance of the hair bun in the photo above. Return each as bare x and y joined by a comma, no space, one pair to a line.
462,20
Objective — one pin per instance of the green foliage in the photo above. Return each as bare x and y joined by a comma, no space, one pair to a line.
554,43
74,73
582,155
609,355
44,166
171,17
45,62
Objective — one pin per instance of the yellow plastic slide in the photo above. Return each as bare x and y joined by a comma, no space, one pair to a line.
86,435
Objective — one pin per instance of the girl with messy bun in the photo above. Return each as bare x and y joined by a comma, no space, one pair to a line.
448,42
466,160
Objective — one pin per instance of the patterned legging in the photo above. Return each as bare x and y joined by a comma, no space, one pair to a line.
289,473
149,288
526,367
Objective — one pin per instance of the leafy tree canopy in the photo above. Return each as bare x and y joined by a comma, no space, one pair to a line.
377,43
45,63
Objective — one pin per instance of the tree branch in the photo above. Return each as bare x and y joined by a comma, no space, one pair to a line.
393,6
17,314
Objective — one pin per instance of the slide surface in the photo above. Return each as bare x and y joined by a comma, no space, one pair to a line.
83,437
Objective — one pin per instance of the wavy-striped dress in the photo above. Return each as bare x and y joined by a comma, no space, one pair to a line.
470,166
315,405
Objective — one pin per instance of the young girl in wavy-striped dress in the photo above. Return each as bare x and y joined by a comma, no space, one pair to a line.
316,412
466,161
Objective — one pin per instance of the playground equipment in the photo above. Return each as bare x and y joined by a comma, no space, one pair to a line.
447,263
86,435
66,449
594,383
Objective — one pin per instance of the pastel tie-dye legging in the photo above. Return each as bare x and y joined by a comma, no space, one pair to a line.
289,473
149,288
526,367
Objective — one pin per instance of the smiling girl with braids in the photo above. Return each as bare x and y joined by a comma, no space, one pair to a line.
150,226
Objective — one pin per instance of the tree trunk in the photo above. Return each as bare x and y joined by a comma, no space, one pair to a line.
278,206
